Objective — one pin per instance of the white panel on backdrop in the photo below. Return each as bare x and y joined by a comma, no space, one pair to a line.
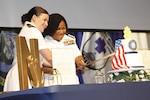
83,14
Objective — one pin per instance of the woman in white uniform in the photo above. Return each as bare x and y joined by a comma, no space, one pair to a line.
56,37
34,23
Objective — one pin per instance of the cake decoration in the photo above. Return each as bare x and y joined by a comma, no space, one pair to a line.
127,33
126,56
132,45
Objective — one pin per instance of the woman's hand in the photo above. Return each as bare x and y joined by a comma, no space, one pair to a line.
47,69
80,63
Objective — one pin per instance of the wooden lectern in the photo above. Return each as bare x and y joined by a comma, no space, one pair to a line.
28,63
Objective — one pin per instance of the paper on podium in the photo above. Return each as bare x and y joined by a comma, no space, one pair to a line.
63,60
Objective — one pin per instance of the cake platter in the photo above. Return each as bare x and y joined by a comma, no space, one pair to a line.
131,69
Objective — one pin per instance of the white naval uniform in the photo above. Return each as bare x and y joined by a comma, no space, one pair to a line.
64,43
29,32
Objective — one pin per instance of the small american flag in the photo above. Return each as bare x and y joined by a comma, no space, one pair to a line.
119,60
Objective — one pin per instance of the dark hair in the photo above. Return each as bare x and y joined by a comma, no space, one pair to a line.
37,10
54,20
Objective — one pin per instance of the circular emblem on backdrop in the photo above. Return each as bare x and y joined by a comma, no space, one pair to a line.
132,45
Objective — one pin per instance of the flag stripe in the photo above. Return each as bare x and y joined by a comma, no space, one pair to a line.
119,60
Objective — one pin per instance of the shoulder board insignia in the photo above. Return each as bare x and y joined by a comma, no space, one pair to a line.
29,25
70,36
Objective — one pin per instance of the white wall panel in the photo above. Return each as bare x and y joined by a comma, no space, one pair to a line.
83,14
